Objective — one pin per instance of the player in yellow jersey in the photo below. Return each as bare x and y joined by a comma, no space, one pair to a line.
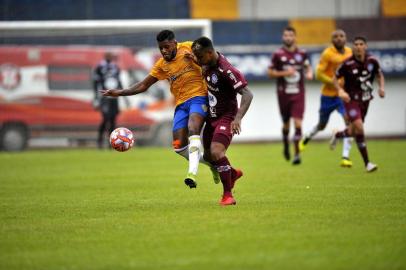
331,59
190,92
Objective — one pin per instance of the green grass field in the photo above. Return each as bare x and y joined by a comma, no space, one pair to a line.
88,209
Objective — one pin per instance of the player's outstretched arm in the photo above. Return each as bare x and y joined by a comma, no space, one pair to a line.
134,89
381,82
246,98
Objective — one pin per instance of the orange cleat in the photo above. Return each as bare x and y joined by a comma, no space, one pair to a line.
238,175
227,200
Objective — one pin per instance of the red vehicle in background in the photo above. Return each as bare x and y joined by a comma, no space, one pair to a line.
46,92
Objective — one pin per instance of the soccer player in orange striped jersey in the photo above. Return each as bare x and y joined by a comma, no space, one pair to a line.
331,59
190,92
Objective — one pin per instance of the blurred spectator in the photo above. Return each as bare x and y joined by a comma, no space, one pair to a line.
106,75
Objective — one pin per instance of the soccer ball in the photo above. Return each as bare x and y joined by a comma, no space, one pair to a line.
121,139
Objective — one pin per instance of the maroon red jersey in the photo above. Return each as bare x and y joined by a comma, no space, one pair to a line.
223,82
359,77
298,59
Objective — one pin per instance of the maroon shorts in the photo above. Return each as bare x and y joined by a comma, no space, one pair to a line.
356,110
218,130
291,106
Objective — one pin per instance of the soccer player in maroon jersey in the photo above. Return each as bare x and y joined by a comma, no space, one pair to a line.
224,120
290,65
358,72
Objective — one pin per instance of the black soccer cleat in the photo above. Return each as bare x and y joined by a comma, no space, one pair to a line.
190,183
306,140
296,161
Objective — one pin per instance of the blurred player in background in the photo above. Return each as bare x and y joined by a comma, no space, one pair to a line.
106,75
358,72
290,65
224,119
190,92
330,59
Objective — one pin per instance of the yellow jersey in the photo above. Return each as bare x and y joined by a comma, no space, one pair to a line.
329,61
184,75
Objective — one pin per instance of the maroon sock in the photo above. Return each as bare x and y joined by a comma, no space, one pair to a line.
362,147
343,134
285,135
224,168
233,173
296,139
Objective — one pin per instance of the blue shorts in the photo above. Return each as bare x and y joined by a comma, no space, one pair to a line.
183,110
328,105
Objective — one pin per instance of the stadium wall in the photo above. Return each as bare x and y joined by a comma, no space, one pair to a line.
278,9
386,117
93,9
376,29
211,9
255,65
262,23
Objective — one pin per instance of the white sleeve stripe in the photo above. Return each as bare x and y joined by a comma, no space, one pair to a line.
237,85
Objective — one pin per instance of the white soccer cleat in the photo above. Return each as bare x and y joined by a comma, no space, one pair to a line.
371,167
333,140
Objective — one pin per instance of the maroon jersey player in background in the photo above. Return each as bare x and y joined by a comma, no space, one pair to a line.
358,72
224,119
290,65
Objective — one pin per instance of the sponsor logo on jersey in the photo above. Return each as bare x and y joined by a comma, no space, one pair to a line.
211,88
214,78
298,57
174,77
212,100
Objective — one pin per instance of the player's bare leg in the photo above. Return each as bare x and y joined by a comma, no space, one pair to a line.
296,139
223,166
285,137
